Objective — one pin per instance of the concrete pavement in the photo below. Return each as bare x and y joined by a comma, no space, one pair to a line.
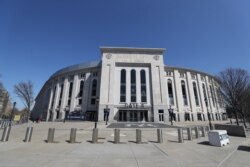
171,153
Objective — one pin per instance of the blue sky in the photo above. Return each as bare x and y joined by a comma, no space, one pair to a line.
39,37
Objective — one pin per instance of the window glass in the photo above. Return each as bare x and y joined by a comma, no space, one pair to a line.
133,85
143,86
184,95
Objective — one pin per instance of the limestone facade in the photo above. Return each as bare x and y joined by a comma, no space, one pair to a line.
133,85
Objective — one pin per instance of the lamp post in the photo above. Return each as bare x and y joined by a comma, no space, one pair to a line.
171,112
208,114
97,112
14,104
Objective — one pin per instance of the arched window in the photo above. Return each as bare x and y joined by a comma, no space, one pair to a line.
81,88
70,93
219,97
93,93
196,94
80,92
123,86
133,85
184,94
205,94
60,97
170,92
143,86
212,94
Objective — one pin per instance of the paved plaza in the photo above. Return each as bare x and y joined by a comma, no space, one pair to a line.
193,153
139,125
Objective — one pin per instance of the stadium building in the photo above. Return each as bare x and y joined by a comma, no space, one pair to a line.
129,85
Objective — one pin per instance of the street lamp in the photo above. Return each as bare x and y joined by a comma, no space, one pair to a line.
171,113
208,114
14,104
97,112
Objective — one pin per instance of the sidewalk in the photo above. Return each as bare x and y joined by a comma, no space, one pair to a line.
37,153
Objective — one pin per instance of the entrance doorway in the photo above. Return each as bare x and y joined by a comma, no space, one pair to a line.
132,115
122,116
161,115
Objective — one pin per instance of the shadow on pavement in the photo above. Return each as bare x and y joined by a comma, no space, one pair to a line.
174,141
204,143
244,148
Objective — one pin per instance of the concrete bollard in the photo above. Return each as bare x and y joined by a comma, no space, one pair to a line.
51,134
117,136
203,131
1,124
6,133
28,134
4,124
159,136
196,129
72,137
189,133
138,136
95,135
180,135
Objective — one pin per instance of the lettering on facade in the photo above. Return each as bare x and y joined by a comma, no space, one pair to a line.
133,105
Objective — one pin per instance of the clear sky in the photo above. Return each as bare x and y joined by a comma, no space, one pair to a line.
39,37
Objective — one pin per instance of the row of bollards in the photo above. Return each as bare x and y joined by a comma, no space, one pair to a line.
117,136
72,139
6,133
190,133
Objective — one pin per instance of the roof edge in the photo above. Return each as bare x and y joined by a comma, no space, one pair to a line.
131,49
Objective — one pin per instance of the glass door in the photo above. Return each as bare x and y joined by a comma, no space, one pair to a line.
133,117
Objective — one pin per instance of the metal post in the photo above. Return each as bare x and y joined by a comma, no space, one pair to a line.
97,112
6,133
203,131
159,136
117,136
180,135
28,134
95,135
138,136
196,129
51,135
72,138
189,133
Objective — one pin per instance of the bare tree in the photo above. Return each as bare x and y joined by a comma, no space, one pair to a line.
234,88
246,106
1,84
24,90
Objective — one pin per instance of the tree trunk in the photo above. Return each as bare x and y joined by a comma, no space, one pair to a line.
243,119
248,119
237,120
